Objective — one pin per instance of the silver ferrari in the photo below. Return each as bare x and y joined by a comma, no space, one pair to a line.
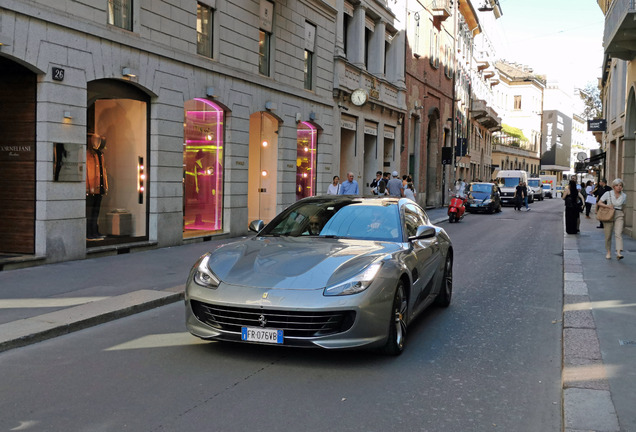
329,271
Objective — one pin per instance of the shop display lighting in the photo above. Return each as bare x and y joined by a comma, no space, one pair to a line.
141,179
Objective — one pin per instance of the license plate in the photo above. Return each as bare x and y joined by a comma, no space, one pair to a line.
262,335
474,205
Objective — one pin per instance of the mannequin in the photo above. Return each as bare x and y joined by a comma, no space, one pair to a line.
96,183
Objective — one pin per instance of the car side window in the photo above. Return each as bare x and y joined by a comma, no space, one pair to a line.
413,218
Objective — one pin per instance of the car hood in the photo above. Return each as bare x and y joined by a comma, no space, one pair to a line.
295,262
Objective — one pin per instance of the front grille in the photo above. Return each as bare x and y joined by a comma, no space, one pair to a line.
293,323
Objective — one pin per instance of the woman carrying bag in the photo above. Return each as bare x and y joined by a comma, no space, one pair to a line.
614,199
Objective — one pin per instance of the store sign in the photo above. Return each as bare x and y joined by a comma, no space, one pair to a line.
447,155
598,125
345,123
389,132
371,128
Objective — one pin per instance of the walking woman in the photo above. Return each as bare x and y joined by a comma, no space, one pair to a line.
573,202
590,199
616,199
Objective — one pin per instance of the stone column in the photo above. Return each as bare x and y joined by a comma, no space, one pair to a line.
376,50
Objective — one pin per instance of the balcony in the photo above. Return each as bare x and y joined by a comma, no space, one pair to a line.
619,38
441,9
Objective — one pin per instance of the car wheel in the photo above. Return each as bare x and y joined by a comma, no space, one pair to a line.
397,324
446,292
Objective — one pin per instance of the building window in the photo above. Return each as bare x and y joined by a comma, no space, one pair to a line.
204,30
307,135
265,37
434,54
310,42
517,102
309,58
120,13
202,168
263,53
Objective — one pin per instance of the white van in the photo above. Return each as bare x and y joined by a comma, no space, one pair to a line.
508,180
534,183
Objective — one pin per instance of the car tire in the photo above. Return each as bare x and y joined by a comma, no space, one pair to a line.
443,298
451,218
397,322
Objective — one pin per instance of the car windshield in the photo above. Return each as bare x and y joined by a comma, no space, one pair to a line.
533,183
485,188
546,186
355,220
509,181
479,194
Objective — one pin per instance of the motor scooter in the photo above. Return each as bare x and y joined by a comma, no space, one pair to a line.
456,208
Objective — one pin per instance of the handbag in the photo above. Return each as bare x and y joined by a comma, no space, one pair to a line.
605,214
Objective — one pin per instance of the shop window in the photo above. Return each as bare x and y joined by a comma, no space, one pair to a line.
204,30
306,160
120,13
202,168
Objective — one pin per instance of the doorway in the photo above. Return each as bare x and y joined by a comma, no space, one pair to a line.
263,167
17,158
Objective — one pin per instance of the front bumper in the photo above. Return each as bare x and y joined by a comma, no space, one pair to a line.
365,316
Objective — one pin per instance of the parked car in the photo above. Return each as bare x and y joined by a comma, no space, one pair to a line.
329,271
483,197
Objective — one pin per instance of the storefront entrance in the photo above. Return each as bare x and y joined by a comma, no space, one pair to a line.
263,167
202,168
17,158
117,169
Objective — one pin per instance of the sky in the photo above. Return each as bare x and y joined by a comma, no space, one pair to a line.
562,39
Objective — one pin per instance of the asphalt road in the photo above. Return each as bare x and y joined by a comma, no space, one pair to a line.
492,361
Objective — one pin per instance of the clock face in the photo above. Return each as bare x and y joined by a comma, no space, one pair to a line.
359,97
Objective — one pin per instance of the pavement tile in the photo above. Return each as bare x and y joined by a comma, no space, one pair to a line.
581,343
579,319
573,276
585,373
587,409
575,288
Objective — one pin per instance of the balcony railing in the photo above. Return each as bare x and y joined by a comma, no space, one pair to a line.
441,9
619,38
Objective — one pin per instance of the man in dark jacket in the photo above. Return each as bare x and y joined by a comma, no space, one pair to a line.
601,188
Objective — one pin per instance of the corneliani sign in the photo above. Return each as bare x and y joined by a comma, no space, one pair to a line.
597,125
14,151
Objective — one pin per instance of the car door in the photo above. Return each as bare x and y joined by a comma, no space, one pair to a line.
426,253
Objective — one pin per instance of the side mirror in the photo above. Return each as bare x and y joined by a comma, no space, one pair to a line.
423,231
257,225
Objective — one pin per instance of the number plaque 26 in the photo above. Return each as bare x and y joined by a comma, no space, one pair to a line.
58,74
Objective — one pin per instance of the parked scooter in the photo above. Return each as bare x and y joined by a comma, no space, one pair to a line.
456,208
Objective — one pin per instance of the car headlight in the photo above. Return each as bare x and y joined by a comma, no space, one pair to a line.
356,284
203,276
488,201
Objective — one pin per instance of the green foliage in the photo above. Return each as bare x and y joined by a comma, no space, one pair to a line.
513,132
591,96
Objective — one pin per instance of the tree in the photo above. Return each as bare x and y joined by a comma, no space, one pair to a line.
591,96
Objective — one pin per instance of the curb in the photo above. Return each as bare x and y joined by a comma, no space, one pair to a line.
36,329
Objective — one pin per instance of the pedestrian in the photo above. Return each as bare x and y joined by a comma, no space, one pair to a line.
395,186
518,197
349,186
409,192
573,204
601,188
460,188
374,184
334,187
590,199
382,184
614,199
524,185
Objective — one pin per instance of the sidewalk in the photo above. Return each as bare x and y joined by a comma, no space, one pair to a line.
599,333
599,313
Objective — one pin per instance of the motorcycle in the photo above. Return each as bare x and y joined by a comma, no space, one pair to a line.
456,209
